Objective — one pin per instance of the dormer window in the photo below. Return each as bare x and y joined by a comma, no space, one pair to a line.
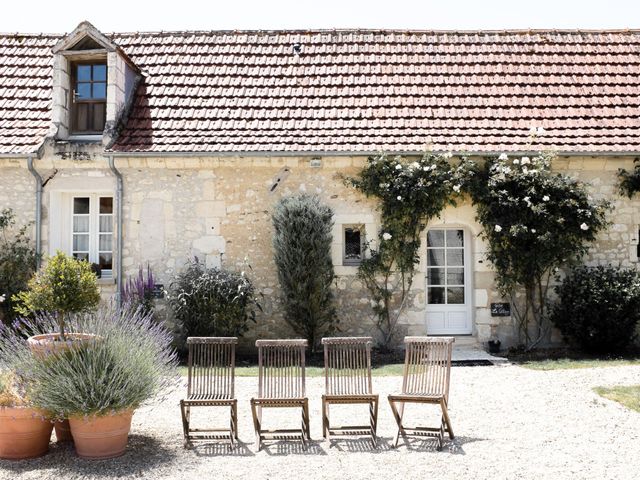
89,99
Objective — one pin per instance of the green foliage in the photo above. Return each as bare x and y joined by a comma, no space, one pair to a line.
535,221
17,263
630,181
211,302
599,308
129,361
411,193
64,286
302,253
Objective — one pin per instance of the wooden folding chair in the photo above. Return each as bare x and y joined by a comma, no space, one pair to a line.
347,376
281,384
210,383
427,370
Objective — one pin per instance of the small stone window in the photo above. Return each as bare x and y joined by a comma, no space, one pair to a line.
89,99
353,241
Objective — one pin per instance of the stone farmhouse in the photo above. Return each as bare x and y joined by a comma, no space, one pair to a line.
155,147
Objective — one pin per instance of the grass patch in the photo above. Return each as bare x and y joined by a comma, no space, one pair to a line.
627,396
252,371
571,364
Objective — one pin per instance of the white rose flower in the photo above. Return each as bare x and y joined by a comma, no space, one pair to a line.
545,198
525,161
2,298
415,165
540,131
386,236
533,230
399,197
448,155
503,156
456,188
426,169
497,228
516,161
584,226
525,170
533,130
398,167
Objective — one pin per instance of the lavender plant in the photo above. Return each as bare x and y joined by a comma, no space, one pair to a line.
130,361
138,291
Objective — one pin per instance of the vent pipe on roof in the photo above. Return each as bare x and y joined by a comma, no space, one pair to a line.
119,223
38,180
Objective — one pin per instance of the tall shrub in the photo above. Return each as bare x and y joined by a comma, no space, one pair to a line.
63,286
535,221
599,308
211,302
17,263
302,253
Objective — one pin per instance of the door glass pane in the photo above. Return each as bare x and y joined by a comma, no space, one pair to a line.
435,257
106,224
105,243
455,238
435,295
84,73
81,256
455,276
81,205
83,91
81,243
106,261
455,295
100,90
455,257
435,238
435,276
80,224
106,204
100,73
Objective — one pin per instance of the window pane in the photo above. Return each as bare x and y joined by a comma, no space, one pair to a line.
455,238
81,256
99,90
435,238
81,224
455,256
98,116
81,243
106,261
106,224
352,244
455,276
435,276
81,205
435,295
435,257
84,73
100,72
83,91
106,204
455,295
105,243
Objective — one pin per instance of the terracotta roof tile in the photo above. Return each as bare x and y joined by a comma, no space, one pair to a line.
351,91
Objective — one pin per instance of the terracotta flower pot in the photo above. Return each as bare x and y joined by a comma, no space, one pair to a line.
101,436
24,433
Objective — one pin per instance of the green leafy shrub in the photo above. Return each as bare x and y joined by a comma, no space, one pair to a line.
629,182
130,361
211,302
63,286
17,263
598,308
302,253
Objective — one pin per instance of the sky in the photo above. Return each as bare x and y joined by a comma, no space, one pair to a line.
49,16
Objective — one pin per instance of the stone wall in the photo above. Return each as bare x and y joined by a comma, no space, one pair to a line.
219,209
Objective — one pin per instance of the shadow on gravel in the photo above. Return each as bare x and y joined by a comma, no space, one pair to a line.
143,454
220,449
360,445
292,447
454,447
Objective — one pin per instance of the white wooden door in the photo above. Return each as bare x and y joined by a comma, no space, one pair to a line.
448,309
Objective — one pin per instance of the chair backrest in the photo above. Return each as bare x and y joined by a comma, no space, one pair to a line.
281,365
347,365
212,363
427,365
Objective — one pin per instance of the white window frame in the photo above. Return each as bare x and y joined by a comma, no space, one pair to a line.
94,226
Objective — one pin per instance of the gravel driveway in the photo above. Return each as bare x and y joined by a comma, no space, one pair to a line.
510,423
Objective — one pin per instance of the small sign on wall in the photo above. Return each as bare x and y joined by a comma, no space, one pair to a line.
500,309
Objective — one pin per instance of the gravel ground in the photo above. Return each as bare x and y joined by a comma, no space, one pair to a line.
510,422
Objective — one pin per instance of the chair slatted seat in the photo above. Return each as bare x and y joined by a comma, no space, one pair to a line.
347,373
426,377
281,384
210,383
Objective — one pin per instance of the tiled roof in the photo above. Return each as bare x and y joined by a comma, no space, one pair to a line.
352,91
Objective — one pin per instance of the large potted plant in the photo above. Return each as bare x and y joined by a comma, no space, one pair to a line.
110,378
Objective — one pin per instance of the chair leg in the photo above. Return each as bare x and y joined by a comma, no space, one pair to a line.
184,411
256,423
306,431
325,418
398,412
234,416
447,420
373,417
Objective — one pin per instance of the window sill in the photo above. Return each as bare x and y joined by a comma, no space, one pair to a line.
106,281
89,138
